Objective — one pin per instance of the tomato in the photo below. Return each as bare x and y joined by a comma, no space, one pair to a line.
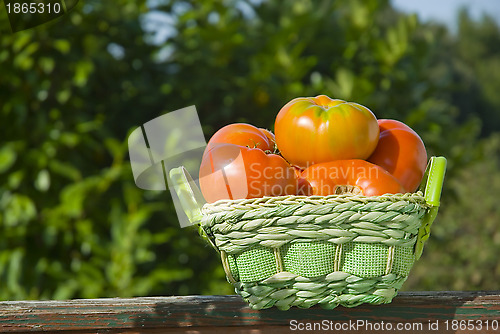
401,152
230,171
311,130
244,135
357,176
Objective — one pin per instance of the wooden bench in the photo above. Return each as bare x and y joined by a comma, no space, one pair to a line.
410,312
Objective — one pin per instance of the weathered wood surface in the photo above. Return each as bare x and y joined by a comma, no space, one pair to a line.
229,314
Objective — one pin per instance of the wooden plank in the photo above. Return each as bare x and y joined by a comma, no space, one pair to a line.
223,314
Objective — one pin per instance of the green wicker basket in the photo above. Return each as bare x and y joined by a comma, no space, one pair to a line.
326,250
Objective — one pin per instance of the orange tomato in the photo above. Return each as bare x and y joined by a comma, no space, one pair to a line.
230,171
329,177
244,135
311,130
401,152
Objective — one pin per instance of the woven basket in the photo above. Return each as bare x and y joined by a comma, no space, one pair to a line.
321,250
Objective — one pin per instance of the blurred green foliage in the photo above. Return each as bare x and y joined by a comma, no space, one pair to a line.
74,225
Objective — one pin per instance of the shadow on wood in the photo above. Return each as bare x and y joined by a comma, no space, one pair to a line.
409,312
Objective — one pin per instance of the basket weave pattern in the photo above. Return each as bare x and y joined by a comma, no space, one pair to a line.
327,250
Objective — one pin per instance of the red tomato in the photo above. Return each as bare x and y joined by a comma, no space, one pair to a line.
401,152
242,134
311,130
230,171
329,177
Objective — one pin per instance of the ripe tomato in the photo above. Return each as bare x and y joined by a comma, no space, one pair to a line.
244,135
230,171
311,130
332,177
401,152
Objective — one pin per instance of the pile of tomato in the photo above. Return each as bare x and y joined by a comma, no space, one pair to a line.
321,146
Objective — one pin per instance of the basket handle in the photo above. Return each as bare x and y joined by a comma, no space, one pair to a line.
188,192
432,186
191,199
432,183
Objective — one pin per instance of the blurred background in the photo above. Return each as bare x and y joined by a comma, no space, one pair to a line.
74,225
